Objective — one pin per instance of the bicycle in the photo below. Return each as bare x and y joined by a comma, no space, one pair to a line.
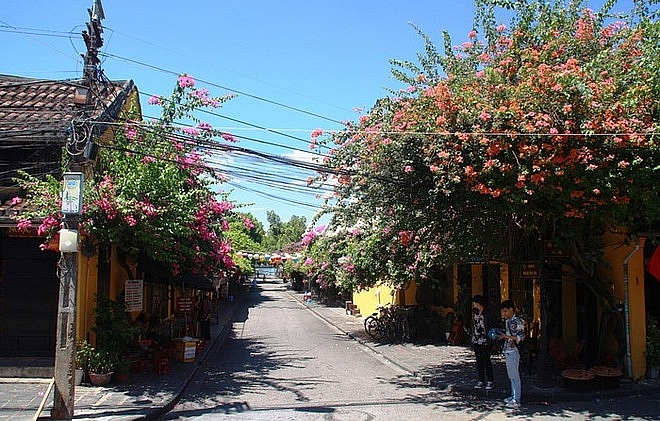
374,325
390,323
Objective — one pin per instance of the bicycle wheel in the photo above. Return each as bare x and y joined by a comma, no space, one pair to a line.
373,328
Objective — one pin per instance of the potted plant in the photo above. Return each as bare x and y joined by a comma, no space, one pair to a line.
101,366
117,336
652,346
83,352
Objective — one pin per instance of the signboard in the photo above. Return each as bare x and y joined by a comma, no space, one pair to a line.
530,270
184,304
72,193
134,296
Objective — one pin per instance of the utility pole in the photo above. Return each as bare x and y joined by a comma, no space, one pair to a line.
65,341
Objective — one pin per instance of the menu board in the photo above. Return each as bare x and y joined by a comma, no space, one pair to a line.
134,295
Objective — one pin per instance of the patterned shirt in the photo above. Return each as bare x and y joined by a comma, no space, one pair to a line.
479,335
515,326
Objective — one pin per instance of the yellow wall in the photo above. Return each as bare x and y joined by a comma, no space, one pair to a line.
87,288
616,250
85,295
477,280
368,300
410,294
504,282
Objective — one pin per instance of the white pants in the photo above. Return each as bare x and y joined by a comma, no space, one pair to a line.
512,370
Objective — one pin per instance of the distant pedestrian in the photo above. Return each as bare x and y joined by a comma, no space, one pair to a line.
204,316
514,333
481,343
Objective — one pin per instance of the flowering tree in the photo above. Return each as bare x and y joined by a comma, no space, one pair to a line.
151,195
547,129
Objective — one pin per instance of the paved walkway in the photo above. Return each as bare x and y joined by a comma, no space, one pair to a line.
149,395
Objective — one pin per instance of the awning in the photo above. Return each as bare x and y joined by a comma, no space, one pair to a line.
156,273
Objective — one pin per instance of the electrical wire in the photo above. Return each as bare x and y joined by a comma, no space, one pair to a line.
216,85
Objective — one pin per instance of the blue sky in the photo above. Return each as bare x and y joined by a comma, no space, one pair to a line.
323,58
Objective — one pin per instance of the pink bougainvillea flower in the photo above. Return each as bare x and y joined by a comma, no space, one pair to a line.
48,223
24,224
205,126
155,100
130,220
228,137
202,94
247,222
186,81
316,133
131,130
191,131
16,200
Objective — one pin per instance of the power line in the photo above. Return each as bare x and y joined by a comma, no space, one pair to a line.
348,130
219,67
5,27
30,31
212,169
249,95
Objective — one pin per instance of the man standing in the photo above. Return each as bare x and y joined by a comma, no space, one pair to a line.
204,317
514,333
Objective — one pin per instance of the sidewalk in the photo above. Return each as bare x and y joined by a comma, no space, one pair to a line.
146,396
452,368
149,395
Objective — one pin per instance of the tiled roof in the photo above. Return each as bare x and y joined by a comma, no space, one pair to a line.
40,109
36,117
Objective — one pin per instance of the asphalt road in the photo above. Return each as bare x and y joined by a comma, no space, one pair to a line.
282,362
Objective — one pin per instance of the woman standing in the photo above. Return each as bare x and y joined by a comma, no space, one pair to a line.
481,343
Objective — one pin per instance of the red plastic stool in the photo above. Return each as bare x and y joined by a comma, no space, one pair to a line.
200,345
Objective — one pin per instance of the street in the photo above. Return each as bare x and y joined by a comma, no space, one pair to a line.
281,361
